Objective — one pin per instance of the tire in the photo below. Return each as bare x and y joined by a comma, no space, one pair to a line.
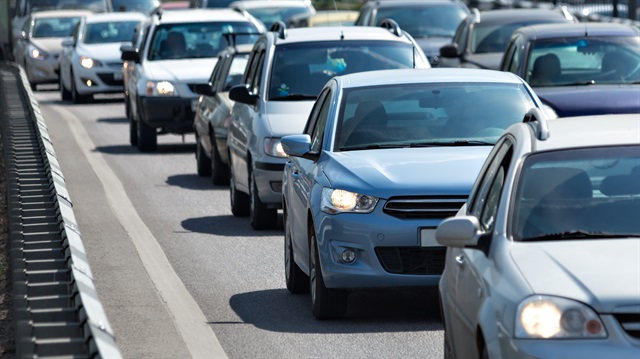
65,94
325,303
203,163
147,136
219,169
261,217
133,132
75,96
239,201
297,281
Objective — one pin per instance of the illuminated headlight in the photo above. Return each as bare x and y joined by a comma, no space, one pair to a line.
89,63
553,317
160,88
337,201
273,147
550,112
36,53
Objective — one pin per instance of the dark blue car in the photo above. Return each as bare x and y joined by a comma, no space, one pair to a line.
579,69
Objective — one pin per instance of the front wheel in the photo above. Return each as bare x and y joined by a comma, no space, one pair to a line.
147,136
64,93
75,95
297,281
239,201
261,216
326,303
203,164
219,169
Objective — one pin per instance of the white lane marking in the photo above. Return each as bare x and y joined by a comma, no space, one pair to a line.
191,323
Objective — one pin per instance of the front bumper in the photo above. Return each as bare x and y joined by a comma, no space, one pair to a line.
172,113
388,249
268,177
98,80
42,71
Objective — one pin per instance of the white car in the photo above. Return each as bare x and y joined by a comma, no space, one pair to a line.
90,60
175,51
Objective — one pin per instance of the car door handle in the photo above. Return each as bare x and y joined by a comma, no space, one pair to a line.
460,259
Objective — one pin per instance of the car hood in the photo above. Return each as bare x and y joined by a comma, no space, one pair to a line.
186,70
288,117
591,99
602,273
407,171
109,52
51,45
431,45
489,60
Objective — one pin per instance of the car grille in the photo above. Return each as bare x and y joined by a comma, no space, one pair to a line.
424,207
630,322
109,80
412,260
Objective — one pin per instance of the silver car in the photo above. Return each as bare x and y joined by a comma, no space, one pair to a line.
543,261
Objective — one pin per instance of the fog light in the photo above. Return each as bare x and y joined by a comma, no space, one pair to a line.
348,256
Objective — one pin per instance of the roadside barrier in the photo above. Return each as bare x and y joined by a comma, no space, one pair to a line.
57,311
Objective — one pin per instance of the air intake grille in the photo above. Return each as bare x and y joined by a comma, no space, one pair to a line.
424,207
630,323
412,260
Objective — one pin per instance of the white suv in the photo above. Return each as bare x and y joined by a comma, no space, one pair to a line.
174,52
286,71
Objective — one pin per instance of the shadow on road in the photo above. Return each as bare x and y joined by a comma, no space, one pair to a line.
163,149
194,182
228,226
113,120
369,312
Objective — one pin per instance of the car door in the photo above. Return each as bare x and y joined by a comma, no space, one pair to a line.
136,70
206,106
471,263
66,55
303,177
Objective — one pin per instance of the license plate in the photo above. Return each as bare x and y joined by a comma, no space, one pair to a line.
117,76
428,238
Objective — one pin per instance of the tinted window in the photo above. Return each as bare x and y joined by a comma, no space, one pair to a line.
54,27
135,5
106,32
269,15
93,5
425,21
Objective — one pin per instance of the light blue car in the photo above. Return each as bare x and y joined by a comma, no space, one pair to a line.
385,156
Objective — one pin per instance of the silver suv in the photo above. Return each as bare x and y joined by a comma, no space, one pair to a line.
286,71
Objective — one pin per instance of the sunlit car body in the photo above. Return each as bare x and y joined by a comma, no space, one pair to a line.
384,157
286,71
543,260
482,38
90,60
39,44
174,52
271,11
211,122
579,69
431,22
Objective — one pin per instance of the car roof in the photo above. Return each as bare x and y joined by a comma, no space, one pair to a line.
550,31
60,13
505,16
201,15
331,33
115,16
434,75
591,131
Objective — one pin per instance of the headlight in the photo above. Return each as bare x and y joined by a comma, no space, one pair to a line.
550,111
160,88
273,147
553,317
337,201
88,62
36,53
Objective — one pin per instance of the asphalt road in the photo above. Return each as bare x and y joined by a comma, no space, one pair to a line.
222,282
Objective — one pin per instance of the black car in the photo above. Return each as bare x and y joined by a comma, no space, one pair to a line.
579,69
432,23
482,37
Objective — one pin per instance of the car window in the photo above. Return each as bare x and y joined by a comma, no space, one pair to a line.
425,21
256,79
572,193
144,6
108,32
487,38
54,27
582,61
429,114
234,71
461,34
319,120
484,202
304,68
215,74
269,15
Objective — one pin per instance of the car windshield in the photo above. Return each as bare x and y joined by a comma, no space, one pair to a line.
93,5
489,37
236,70
304,68
584,61
578,194
429,114
197,40
269,15
425,21
54,26
144,6
109,32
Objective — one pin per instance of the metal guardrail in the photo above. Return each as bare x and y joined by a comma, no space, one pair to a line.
56,307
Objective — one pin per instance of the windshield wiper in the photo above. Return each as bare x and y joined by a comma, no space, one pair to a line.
580,234
371,146
294,97
449,144
578,83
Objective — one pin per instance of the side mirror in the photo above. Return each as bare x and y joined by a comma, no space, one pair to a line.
240,93
449,51
68,42
298,146
459,232
204,89
129,54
